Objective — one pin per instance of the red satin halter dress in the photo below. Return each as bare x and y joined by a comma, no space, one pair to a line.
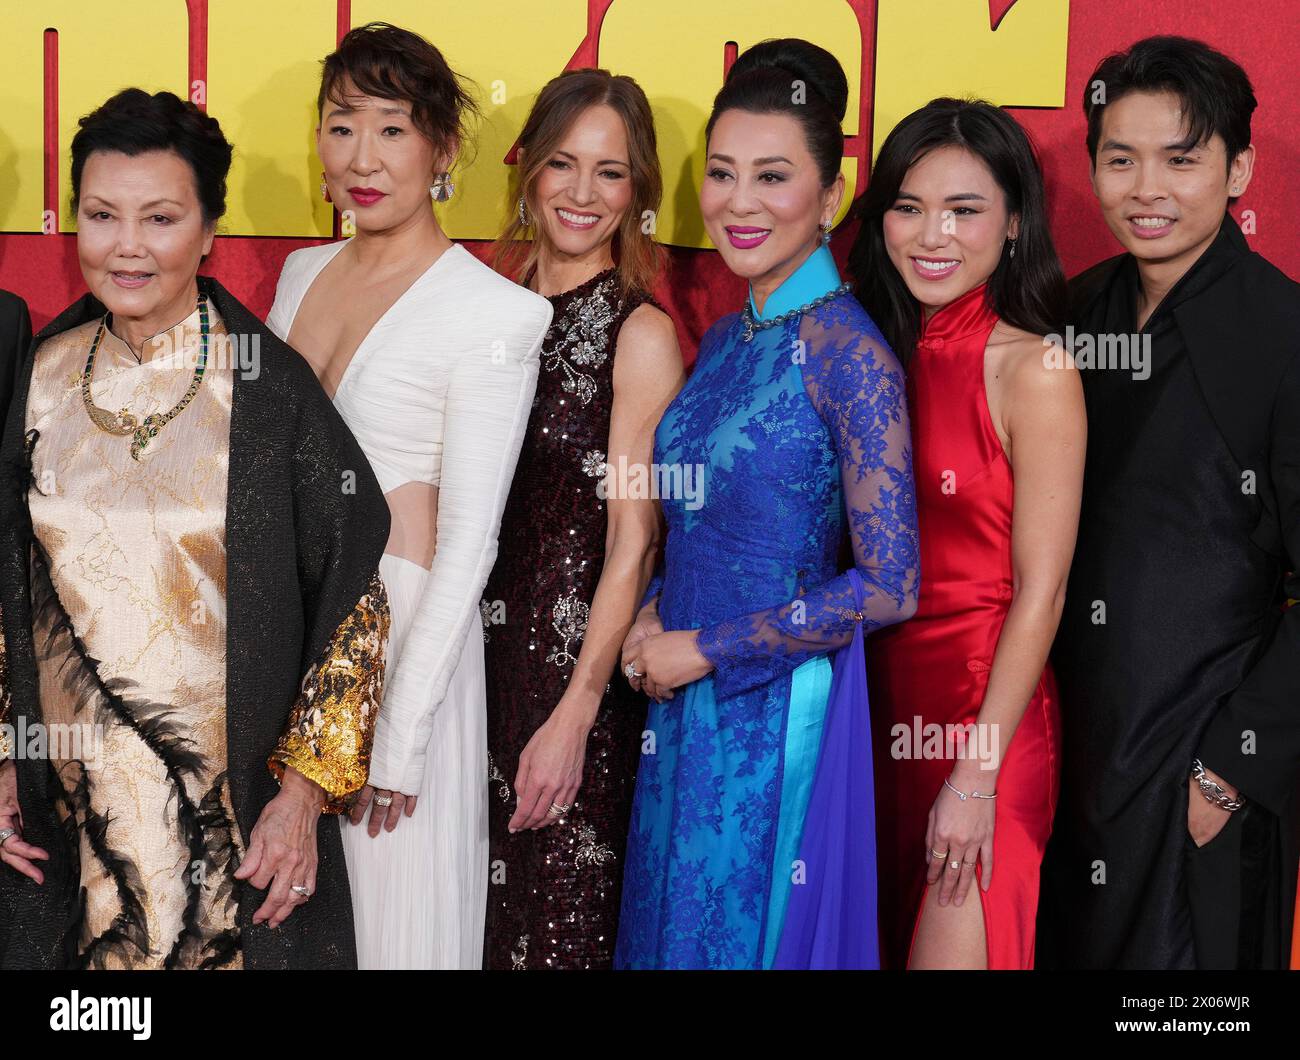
933,670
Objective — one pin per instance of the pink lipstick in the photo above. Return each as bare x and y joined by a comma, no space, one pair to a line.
934,268
743,237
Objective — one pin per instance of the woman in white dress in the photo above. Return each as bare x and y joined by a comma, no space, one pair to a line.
432,359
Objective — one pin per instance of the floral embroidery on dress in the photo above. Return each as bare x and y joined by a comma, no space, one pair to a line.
797,455
495,776
519,955
582,338
569,617
593,464
590,851
485,613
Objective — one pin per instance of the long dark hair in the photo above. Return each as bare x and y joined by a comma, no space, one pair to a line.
1027,291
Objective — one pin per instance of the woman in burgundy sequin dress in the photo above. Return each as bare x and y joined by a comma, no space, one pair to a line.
564,728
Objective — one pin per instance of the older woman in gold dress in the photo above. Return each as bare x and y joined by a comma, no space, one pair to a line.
190,598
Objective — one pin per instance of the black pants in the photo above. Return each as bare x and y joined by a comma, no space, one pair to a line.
1232,889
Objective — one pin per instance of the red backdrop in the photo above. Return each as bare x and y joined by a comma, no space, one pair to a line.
698,288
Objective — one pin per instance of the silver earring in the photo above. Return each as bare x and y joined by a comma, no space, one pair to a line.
523,215
442,188
1013,248
826,233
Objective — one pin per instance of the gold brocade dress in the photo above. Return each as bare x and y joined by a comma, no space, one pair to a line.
136,556
129,721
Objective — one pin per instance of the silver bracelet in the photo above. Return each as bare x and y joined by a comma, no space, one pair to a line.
1212,792
963,796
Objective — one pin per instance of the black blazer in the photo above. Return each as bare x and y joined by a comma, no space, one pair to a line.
15,338
300,553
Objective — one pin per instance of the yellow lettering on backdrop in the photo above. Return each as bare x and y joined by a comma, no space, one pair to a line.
263,75
930,48
509,50
263,69
675,52
147,47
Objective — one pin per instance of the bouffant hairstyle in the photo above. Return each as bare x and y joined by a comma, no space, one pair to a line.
797,78
134,122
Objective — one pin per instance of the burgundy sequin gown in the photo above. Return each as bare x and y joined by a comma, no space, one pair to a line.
553,893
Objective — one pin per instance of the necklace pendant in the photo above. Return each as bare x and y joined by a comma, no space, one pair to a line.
126,423
144,434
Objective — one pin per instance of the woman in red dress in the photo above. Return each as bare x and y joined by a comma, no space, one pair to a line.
955,263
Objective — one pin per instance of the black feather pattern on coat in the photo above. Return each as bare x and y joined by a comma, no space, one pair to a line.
152,723
300,553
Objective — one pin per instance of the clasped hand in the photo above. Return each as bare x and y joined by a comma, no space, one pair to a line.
662,661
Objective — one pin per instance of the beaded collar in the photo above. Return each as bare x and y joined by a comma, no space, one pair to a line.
815,282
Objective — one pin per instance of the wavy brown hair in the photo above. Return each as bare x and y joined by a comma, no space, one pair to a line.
560,104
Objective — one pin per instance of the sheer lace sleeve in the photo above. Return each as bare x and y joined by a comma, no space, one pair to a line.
857,386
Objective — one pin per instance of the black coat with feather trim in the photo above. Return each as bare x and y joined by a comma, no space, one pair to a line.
306,524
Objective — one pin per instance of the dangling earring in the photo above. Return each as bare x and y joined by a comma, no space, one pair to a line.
1013,248
826,233
523,215
324,188
442,188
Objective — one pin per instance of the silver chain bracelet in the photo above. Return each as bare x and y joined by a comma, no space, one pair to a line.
1212,792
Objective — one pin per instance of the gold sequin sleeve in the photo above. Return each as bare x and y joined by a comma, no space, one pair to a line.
332,724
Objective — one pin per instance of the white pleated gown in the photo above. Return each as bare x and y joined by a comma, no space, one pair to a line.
419,892
438,392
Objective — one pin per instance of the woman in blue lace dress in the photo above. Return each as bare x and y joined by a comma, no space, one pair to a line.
795,424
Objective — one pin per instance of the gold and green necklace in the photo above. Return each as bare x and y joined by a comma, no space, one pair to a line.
126,422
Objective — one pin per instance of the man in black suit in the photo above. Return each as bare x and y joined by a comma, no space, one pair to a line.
15,337
1179,667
